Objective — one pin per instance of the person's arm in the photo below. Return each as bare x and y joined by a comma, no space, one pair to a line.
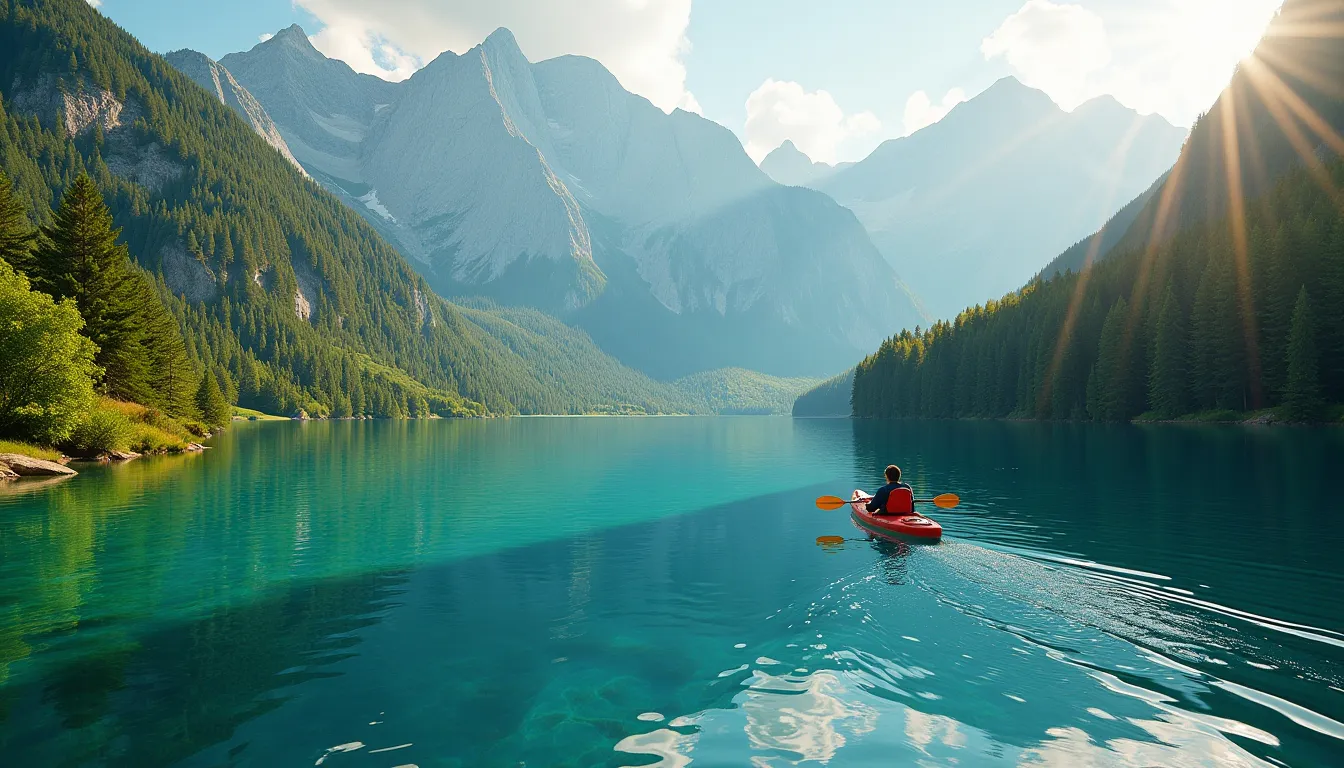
879,502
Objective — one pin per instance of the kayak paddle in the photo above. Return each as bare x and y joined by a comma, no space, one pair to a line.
945,501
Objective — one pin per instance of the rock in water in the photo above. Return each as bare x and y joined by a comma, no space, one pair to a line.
27,466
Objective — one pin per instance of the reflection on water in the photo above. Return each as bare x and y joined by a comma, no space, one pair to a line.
586,592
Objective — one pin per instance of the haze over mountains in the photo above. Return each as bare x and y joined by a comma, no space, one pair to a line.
549,185
788,165
972,206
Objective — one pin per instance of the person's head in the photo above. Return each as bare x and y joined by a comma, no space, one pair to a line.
893,473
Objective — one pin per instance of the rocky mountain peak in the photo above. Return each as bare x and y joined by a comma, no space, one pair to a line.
788,165
292,35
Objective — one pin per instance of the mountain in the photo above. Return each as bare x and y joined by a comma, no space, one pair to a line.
549,185
213,77
327,107
965,208
787,165
1224,297
1096,247
277,286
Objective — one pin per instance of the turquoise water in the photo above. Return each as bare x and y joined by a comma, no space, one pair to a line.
594,592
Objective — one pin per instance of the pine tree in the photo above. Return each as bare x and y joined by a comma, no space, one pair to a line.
16,237
1167,385
78,257
214,408
1109,385
1219,364
1302,394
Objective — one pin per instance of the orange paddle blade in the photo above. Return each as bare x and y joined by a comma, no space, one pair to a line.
947,500
831,502
830,540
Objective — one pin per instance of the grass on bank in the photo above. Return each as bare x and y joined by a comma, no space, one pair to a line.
247,414
1332,415
30,450
114,425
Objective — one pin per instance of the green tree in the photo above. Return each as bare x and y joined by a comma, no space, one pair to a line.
78,257
215,410
141,349
46,366
1218,341
1110,384
1302,393
1167,376
16,236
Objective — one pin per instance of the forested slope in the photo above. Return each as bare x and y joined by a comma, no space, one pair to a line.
276,283
829,398
1226,295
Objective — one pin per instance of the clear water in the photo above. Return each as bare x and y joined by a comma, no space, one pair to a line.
593,592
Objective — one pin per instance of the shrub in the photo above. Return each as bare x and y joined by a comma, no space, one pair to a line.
46,366
105,429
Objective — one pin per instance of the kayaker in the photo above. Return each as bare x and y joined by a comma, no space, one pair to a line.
878,503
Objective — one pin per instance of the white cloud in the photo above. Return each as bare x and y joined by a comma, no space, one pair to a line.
642,42
263,37
96,3
1172,60
921,112
1056,48
780,110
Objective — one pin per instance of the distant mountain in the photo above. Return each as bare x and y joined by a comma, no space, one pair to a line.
324,109
788,165
548,185
1094,248
213,77
965,208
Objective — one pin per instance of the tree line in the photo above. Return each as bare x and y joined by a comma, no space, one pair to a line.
1230,317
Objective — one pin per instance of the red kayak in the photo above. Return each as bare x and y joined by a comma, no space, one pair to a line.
899,527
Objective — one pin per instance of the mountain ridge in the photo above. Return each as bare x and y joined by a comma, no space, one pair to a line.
504,206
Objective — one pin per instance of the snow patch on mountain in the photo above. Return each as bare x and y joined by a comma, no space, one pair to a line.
370,201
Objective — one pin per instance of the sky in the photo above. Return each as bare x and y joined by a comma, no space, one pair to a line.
837,78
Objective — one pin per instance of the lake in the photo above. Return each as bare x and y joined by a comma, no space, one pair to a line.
648,591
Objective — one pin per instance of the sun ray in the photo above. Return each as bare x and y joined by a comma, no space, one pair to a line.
1237,221
1269,86
1093,250
1313,120
1270,57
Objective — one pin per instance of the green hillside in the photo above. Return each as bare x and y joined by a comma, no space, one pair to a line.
288,294
572,374
736,391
